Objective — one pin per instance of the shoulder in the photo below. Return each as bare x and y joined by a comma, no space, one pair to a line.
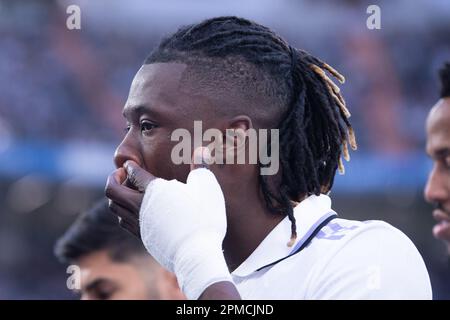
369,259
339,232
371,241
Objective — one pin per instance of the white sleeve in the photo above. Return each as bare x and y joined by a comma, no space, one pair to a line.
378,262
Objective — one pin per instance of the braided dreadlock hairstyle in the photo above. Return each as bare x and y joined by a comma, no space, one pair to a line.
444,75
314,128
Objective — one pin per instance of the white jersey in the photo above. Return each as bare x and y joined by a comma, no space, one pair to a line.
333,259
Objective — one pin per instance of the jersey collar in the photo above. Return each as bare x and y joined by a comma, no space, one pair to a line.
309,214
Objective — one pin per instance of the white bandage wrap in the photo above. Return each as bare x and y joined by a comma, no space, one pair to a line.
183,226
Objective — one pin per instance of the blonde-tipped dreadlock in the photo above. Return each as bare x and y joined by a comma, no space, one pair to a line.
335,92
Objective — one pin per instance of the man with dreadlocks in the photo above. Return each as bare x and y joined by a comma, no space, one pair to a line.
437,190
227,231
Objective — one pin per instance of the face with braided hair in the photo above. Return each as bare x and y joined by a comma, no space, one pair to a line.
232,73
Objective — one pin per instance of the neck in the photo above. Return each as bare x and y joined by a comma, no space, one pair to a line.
249,222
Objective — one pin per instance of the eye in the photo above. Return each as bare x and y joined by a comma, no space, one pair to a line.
447,163
127,128
147,126
104,295
104,291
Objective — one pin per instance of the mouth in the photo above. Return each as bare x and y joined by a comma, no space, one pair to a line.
442,228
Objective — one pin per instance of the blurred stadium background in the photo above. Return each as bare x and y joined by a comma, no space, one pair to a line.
61,94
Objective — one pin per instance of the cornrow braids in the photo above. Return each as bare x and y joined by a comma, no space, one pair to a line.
314,130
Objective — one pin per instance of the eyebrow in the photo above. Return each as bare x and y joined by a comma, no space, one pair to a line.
136,110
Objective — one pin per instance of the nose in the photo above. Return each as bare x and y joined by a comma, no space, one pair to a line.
127,150
435,190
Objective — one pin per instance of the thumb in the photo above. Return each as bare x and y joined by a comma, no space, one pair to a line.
137,176
201,158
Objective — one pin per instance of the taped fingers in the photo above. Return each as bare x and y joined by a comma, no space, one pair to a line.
121,194
137,176
127,219
130,227
123,212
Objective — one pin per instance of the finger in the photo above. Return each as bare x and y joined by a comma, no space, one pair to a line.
126,219
129,224
122,212
120,193
201,158
115,179
119,176
130,227
137,176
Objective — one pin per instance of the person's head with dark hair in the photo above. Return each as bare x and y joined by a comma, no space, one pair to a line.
113,263
232,73
437,190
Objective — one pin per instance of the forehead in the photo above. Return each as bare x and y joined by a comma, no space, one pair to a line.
99,265
156,86
438,127
153,78
95,262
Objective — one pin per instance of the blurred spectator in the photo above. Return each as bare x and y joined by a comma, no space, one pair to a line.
437,190
113,264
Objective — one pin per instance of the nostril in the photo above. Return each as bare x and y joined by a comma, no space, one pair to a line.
119,160
127,150
121,157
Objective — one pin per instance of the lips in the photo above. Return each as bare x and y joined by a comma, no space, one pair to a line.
442,229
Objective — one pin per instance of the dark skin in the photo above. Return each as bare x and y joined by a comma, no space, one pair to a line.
437,190
160,102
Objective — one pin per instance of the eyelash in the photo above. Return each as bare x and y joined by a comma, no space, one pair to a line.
142,125
148,123
104,295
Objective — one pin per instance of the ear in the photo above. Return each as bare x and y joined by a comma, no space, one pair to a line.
242,122
235,138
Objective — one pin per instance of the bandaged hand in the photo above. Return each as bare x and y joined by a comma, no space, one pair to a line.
182,225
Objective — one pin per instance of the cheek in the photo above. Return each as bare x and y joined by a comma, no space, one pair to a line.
443,183
447,182
156,154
